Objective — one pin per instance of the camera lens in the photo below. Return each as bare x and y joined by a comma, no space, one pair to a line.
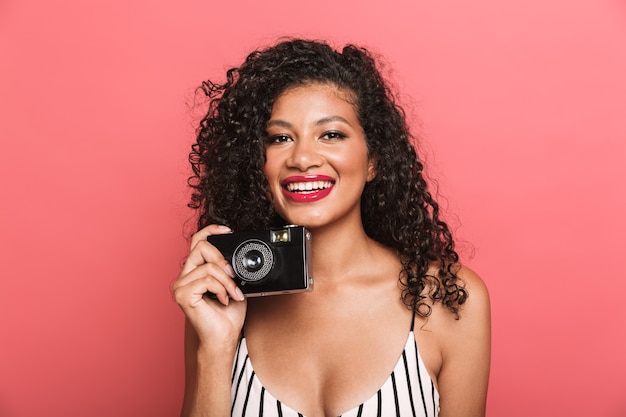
253,260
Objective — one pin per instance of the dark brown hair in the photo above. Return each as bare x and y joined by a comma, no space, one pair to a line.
398,210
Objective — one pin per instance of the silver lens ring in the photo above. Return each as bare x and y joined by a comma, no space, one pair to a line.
240,258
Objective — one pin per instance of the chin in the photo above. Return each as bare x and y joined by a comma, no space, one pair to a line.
310,222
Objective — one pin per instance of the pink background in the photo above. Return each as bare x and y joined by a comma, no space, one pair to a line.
523,109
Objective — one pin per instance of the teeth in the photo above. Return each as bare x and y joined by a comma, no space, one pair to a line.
309,185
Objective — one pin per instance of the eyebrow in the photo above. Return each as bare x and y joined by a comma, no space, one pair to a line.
322,121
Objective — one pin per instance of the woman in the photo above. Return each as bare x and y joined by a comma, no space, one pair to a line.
302,134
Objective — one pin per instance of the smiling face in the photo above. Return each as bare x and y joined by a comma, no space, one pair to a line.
317,160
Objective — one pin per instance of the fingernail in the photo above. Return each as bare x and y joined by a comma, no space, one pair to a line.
239,294
229,270
225,228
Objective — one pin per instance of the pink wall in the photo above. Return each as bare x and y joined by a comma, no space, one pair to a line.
523,104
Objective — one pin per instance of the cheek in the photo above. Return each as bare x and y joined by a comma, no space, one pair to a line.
270,177
267,168
357,162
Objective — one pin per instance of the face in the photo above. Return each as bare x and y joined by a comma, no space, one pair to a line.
317,161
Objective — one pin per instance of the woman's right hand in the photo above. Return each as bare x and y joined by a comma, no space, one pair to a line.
216,321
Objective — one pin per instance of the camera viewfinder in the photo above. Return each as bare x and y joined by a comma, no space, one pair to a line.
280,236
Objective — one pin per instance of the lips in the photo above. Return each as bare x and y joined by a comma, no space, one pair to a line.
307,188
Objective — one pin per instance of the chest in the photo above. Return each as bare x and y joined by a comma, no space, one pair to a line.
324,361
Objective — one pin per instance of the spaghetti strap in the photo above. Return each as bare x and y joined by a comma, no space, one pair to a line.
408,391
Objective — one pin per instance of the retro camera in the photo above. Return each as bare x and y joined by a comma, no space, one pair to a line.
268,262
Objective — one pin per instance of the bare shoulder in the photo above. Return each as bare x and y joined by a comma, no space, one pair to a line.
474,316
477,301
465,348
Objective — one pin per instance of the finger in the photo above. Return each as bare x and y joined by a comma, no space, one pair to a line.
211,269
202,253
220,272
192,294
210,230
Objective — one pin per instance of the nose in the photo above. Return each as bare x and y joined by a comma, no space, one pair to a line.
305,155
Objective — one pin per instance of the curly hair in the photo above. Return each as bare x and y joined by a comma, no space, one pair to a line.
398,210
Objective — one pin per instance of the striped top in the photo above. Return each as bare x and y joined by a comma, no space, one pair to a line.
408,391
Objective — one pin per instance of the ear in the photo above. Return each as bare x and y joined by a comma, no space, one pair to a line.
372,168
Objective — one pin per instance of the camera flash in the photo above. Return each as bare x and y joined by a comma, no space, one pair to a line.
280,236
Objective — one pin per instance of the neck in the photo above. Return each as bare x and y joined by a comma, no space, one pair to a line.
338,253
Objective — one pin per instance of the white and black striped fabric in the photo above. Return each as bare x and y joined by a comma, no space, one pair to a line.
408,392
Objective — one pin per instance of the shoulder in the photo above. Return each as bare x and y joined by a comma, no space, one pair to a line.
477,294
464,345
476,300
475,312
472,324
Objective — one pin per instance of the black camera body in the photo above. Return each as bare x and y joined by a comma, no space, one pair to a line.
269,262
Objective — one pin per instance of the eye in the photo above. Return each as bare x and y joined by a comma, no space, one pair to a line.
278,139
333,135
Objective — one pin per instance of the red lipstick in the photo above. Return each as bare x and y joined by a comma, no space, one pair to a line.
307,188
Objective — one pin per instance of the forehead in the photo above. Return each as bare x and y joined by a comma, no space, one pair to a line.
327,96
